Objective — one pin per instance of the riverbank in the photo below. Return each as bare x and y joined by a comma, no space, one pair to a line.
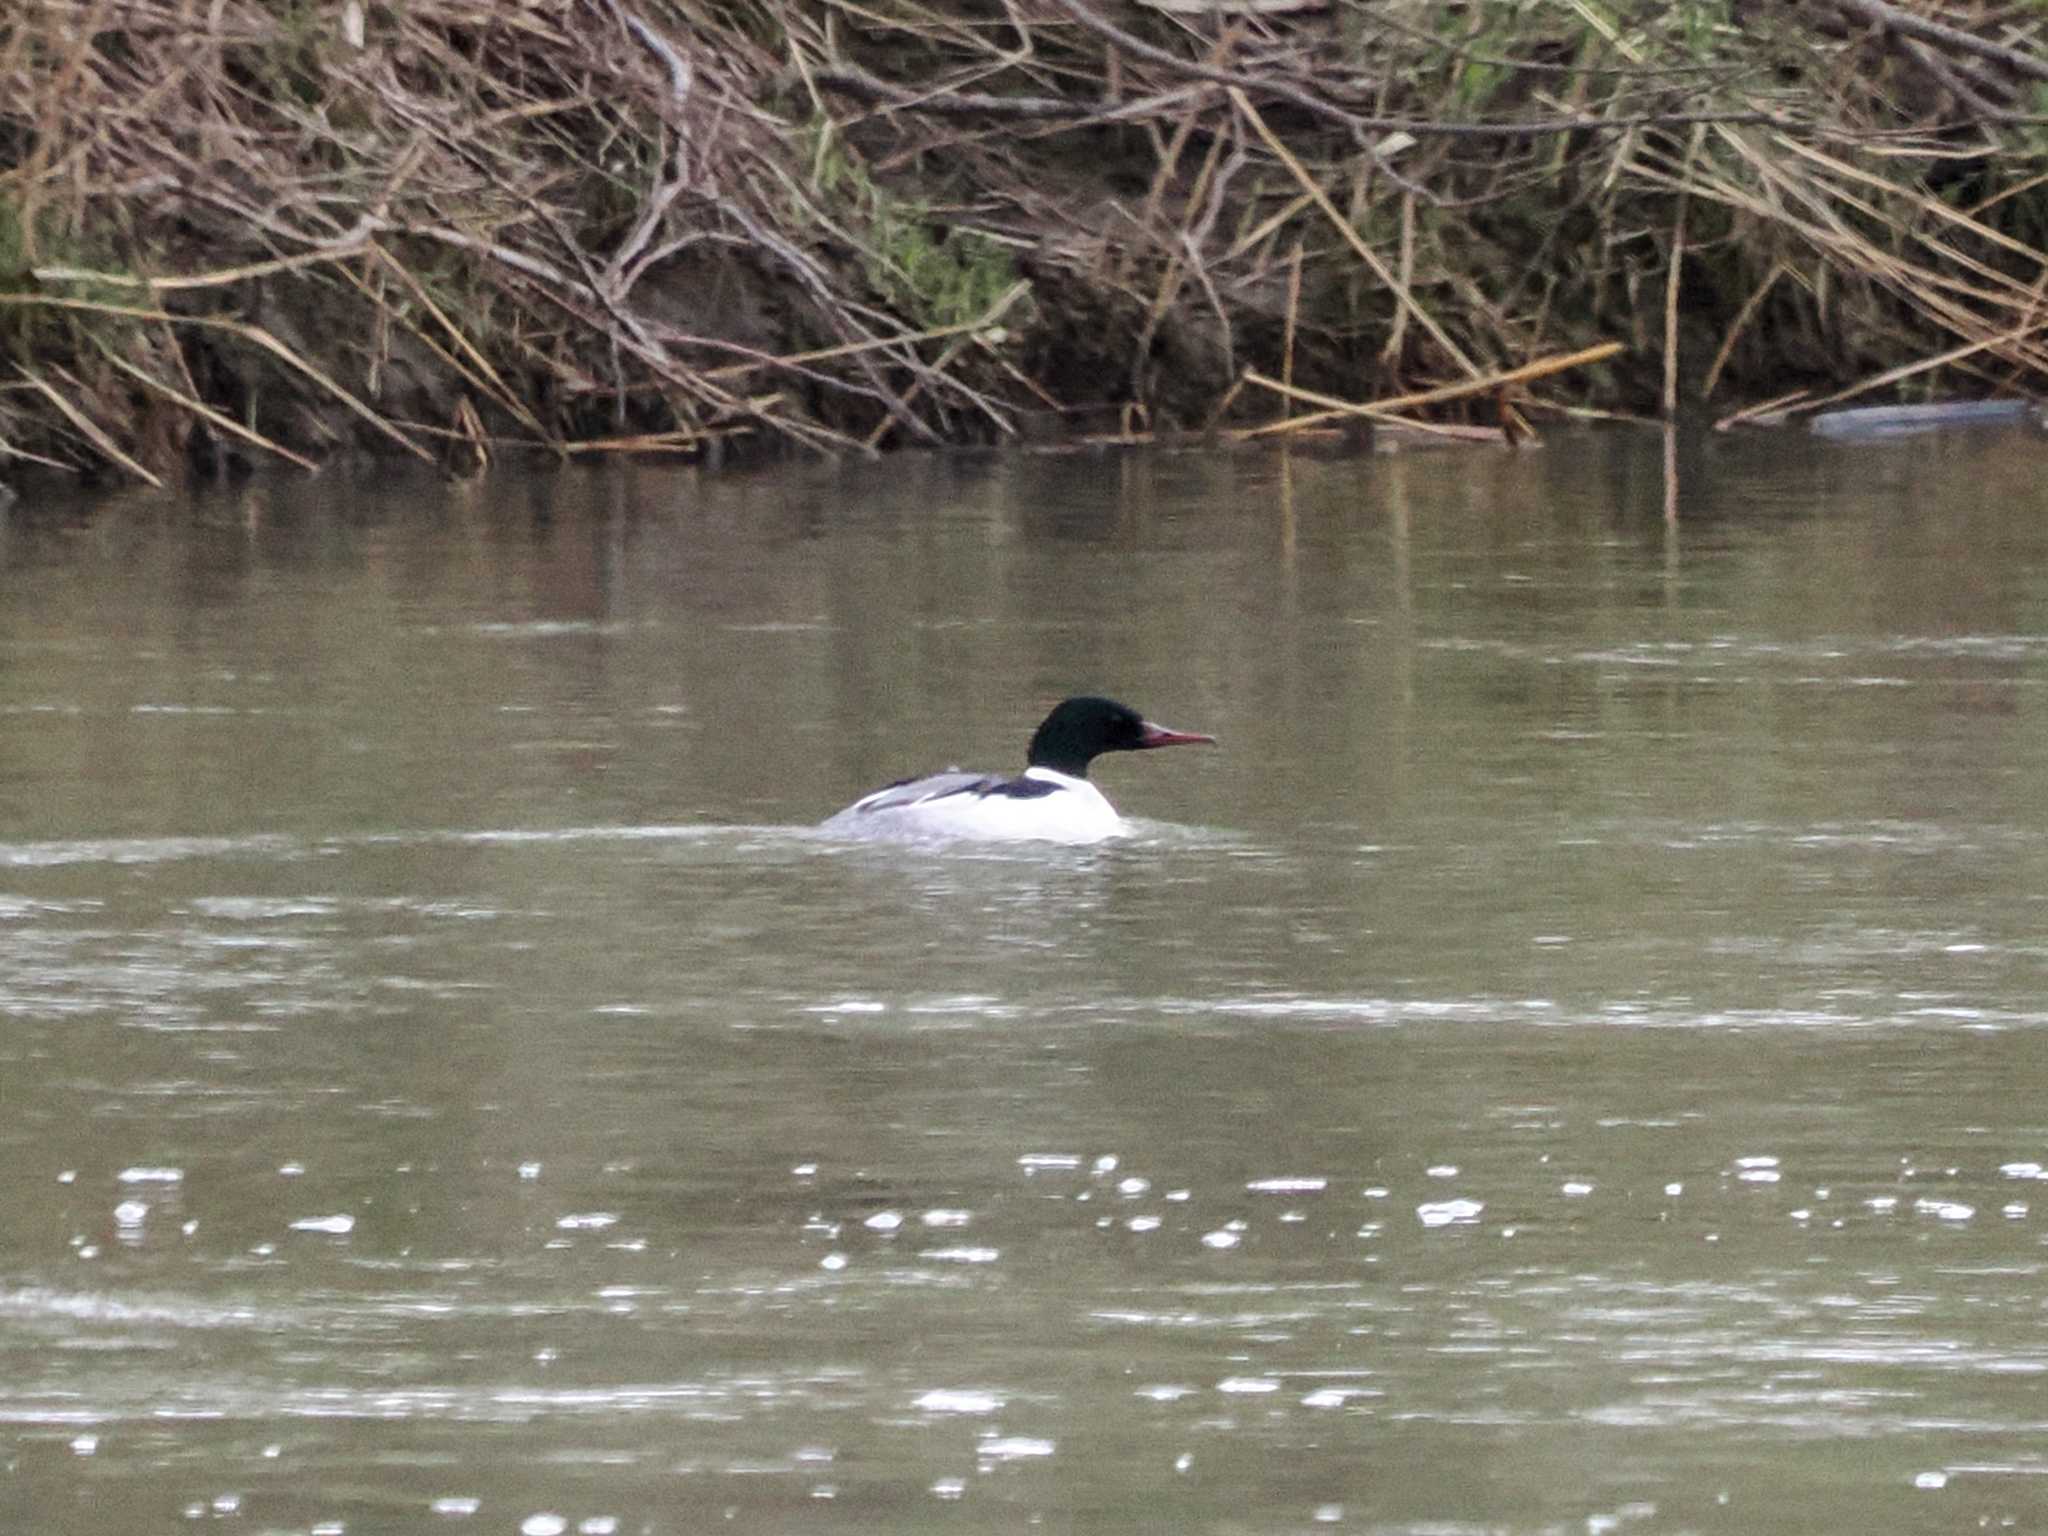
464,228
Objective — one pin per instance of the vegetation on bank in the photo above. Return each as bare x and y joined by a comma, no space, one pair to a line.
256,229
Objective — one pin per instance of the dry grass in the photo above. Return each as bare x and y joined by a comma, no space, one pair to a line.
450,227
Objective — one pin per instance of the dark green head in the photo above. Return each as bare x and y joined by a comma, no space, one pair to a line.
1080,729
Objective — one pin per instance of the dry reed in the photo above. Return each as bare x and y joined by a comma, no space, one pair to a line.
452,227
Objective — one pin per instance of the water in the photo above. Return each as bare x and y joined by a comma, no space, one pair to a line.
1568,1062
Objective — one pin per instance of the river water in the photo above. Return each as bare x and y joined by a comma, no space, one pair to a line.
1570,1060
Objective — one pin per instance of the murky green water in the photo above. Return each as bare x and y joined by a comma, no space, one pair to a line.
1572,1060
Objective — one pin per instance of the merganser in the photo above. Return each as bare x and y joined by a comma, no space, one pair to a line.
1051,800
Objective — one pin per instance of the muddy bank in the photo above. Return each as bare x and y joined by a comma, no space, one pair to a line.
459,229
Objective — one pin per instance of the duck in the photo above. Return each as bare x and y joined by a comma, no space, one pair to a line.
1050,801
